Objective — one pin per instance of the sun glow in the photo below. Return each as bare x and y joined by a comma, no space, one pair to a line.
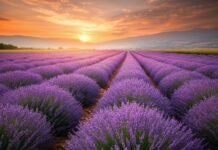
84,38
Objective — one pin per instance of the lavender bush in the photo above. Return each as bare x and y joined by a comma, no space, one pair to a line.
164,71
23,129
203,119
47,71
69,67
184,64
207,70
173,81
134,74
215,74
84,89
17,79
99,75
109,65
130,69
133,90
59,107
132,127
3,89
5,67
191,93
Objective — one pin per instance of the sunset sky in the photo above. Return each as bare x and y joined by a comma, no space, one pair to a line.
103,20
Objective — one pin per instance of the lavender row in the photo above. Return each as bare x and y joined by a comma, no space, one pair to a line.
27,57
132,88
58,106
132,126
168,77
209,69
16,79
101,72
28,62
73,82
201,59
195,104
84,87
12,66
70,67
61,110
202,119
50,71
191,100
129,70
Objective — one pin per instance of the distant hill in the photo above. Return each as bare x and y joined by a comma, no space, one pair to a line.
36,42
197,38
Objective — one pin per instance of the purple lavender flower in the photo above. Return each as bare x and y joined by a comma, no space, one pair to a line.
109,65
134,74
47,71
185,64
5,67
203,119
132,127
215,74
133,90
70,66
150,65
17,79
130,70
23,129
3,89
101,71
191,93
60,108
97,74
164,71
84,89
173,81
207,70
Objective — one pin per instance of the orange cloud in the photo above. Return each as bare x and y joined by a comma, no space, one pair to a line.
104,20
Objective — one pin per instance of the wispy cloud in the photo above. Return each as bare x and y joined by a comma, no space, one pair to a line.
4,19
66,20
107,20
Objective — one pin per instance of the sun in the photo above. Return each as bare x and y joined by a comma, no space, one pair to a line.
84,38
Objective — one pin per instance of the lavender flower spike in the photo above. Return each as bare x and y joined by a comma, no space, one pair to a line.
173,81
203,119
59,107
23,129
133,90
84,89
18,79
190,94
132,127
3,89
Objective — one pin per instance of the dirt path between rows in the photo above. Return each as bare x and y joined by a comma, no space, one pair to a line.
88,111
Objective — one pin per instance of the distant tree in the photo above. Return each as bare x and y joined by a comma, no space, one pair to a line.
7,46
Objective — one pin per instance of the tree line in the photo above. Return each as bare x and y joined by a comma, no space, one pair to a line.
7,46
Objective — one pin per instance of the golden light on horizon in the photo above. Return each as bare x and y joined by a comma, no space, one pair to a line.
84,38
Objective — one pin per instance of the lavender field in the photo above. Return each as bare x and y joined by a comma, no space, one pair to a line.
108,100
